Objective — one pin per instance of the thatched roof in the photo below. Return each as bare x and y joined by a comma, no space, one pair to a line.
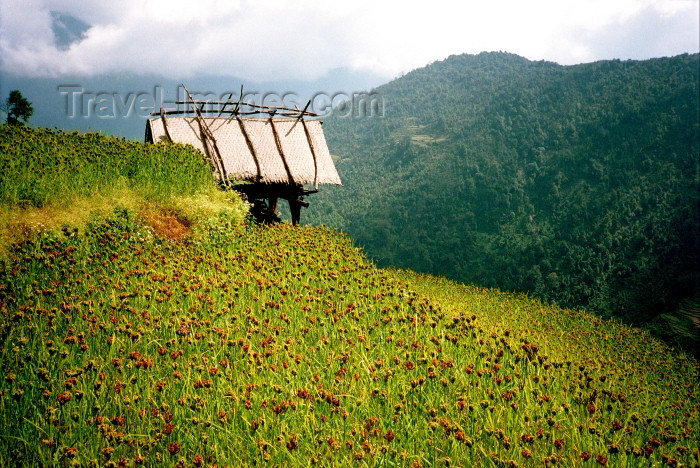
252,152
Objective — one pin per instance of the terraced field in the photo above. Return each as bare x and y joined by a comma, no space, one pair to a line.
239,345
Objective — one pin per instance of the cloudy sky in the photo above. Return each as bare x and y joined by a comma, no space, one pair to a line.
304,39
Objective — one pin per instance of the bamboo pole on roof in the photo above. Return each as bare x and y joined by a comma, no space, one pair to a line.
301,115
251,148
265,109
278,143
234,112
165,124
308,140
224,106
238,103
313,152
208,139
230,112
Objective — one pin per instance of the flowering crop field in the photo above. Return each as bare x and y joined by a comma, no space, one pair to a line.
42,166
277,345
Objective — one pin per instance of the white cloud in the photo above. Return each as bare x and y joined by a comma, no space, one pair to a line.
304,39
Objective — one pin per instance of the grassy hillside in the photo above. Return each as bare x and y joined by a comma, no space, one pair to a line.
576,184
239,345
53,180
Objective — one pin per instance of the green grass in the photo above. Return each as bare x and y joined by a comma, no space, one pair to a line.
46,167
251,345
51,180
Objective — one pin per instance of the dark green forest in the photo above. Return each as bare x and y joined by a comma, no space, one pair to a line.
579,185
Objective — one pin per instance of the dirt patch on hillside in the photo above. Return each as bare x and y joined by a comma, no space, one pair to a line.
166,224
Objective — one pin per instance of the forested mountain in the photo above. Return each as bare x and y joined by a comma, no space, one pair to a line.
576,184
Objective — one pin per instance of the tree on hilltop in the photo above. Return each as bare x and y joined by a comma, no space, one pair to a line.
18,108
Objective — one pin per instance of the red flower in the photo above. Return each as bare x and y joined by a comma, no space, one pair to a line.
654,442
292,443
64,398
119,421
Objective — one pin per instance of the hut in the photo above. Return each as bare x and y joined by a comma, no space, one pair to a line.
278,152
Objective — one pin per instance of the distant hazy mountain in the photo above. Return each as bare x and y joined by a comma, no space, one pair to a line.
117,104
67,29
577,184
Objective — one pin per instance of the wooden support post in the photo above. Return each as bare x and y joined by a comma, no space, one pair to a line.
272,204
295,210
